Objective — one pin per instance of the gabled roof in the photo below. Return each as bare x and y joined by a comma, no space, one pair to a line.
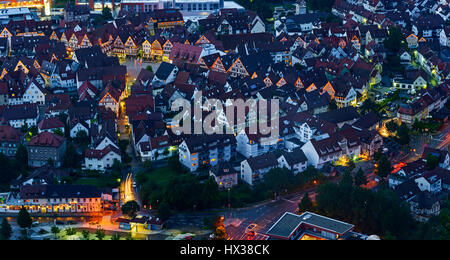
50,123
47,139
100,154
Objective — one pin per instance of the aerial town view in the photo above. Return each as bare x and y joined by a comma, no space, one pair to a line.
224,120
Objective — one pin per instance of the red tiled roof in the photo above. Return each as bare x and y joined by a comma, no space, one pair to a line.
9,134
99,154
50,123
47,139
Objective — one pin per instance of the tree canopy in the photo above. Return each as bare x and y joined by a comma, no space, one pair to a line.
130,208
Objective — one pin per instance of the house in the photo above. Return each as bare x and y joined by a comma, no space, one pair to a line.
442,155
203,150
444,37
369,121
254,168
344,143
185,53
110,98
101,160
165,74
10,139
225,175
310,226
76,13
424,206
76,125
56,199
46,147
252,145
157,148
18,116
414,81
294,160
42,175
52,124
340,117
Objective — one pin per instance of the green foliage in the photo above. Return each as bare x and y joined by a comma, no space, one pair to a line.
24,219
368,105
100,234
332,105
82,138
115,236
70,231
71,158
305,204
431,161
360,178
391,126
320,5
55,231
164,211
380,212
130,209
149,68
403,136
22,157
5,230
85,234
8,171
123,144
106,14
261,7
395,40
384,167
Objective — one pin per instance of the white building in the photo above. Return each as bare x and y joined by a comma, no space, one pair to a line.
101,159
254,168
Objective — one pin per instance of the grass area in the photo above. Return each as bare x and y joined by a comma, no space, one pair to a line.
161,176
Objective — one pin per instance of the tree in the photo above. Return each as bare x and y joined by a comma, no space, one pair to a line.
85,234
123,144
149,68
7,170
82,138
71,157
100,234
347,179
395,41
164,211
130,209
305,204
220,232
70,231
24,219
384,167
319,5
278,179
210,193
106,14
22,157
5,230
360,178
55,231
129,236
403,134
391,126
431,161
332,105
115,236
